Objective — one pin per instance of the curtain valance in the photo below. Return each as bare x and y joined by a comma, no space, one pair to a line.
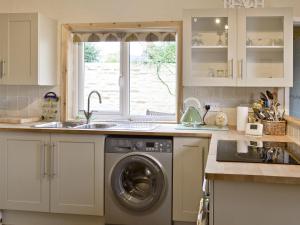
124,36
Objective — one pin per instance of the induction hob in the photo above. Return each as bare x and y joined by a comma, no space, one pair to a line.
257,152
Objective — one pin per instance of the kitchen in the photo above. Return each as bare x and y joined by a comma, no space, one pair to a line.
63,170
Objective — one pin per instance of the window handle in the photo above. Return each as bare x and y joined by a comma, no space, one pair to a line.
120,80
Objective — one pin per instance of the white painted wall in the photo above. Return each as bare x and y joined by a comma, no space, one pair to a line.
121,10
73,11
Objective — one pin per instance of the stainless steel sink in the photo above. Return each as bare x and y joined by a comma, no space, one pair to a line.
102,125
96,126
59,125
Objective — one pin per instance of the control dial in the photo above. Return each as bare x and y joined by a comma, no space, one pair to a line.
139,145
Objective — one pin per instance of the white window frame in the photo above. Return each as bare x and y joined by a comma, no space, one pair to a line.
124,84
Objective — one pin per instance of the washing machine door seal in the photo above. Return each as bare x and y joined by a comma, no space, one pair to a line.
138,182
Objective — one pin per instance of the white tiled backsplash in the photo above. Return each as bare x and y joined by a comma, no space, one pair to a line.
26,101
294,132
23,101
227,99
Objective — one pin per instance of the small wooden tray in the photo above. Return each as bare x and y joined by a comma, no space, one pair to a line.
19,120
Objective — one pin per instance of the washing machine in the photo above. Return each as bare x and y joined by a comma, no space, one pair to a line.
138,180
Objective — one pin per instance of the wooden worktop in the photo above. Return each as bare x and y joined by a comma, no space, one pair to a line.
288,174
255,172
160,130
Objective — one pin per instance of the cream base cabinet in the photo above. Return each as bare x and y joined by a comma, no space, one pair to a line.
188,169
250,203
77,174
52,173
25,185
29,49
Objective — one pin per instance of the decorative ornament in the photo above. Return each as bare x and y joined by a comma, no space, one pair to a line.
221,119
243,3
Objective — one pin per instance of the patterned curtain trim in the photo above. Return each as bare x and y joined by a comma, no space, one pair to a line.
124,36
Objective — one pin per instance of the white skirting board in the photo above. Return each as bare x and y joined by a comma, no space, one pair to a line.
36,218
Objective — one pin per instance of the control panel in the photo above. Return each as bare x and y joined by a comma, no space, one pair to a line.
138,144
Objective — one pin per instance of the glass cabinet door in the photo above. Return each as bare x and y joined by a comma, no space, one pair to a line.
263,61
209,46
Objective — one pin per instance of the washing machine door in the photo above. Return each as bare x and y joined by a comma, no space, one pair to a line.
138,182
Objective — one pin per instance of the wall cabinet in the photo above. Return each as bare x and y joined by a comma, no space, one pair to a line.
28,49
53,173
188,169
238,47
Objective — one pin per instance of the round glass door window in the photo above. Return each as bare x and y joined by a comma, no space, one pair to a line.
138,182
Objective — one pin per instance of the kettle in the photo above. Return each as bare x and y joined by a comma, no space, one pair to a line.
191,116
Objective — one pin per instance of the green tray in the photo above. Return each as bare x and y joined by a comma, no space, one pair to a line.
203,127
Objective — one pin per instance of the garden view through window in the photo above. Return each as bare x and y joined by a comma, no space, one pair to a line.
135,79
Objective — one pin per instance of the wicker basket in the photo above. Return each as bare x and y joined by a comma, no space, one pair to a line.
274,127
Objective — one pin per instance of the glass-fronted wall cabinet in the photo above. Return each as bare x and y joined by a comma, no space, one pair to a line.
265,47
209,52
238,47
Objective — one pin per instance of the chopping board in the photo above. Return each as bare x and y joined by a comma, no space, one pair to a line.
19,120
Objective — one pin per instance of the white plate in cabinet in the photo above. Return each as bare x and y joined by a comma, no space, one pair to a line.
28,52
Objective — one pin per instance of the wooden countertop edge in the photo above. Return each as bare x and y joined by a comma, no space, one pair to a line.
106,132
253,178
292,120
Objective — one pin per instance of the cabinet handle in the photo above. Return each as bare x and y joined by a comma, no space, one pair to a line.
53,173
191,146
2,68
203,162
43,160
241,68
230,68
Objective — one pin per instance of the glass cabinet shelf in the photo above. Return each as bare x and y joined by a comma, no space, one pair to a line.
264,47
208,47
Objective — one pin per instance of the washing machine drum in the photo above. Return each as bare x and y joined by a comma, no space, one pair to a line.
138,182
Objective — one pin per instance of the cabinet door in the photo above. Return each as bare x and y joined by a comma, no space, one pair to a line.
77,170
188,169
22,47
209,52
265,53
23,163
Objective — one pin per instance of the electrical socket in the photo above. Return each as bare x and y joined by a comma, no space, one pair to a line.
214,106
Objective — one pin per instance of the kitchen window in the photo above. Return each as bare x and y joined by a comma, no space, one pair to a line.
137,77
